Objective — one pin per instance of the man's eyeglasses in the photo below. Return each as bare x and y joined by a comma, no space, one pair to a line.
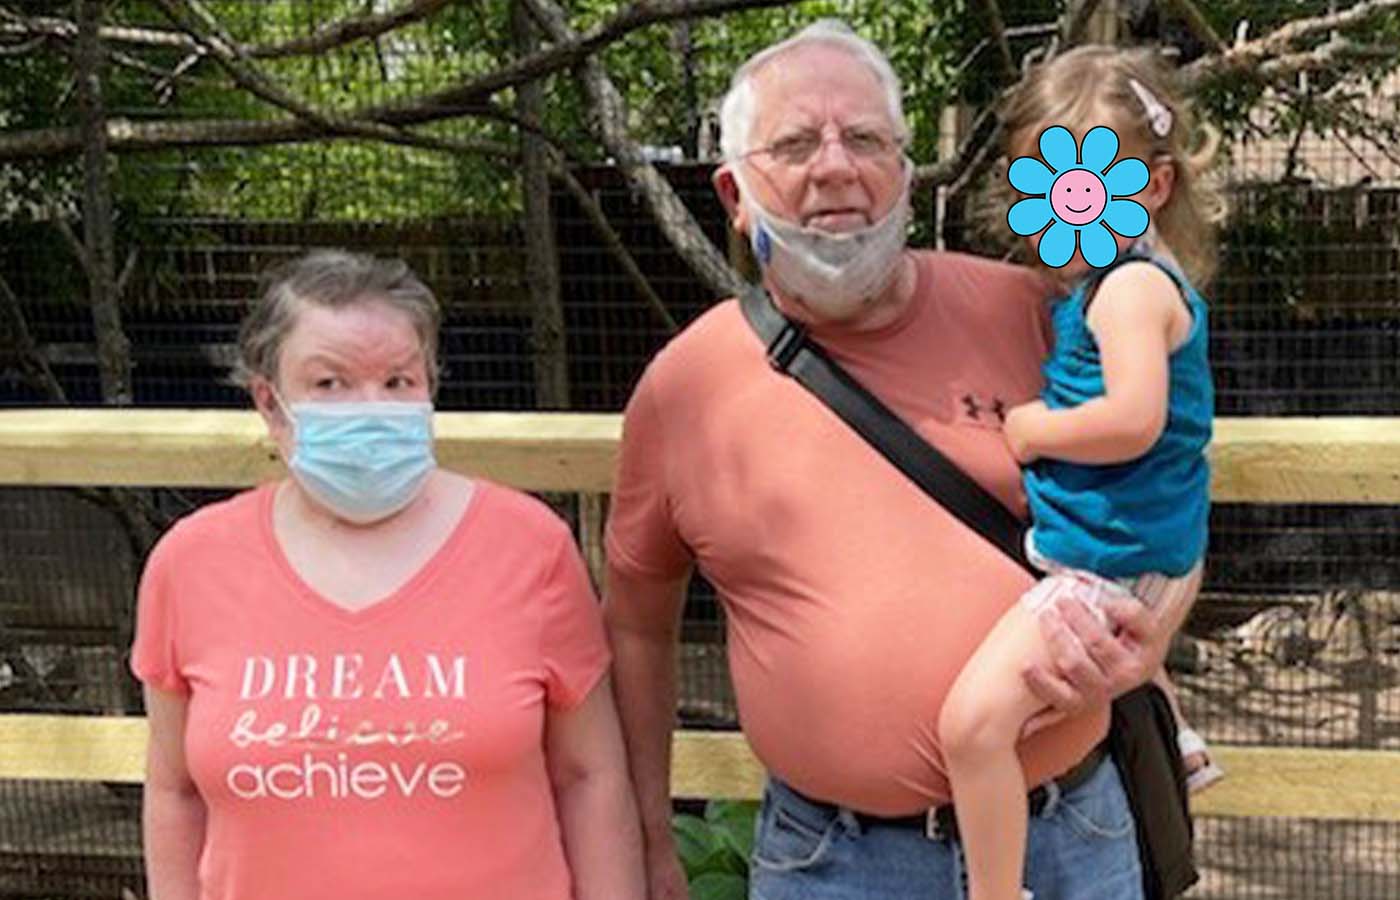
862,144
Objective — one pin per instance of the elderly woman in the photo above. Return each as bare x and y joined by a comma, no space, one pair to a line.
374,678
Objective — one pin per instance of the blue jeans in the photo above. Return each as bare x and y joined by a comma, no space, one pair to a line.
1081,846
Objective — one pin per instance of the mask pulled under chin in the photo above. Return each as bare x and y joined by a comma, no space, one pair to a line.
832,273
362,461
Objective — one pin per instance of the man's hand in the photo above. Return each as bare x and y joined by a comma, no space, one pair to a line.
666,876
1019,427
1090,664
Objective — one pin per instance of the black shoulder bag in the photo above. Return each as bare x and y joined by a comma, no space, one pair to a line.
1142,736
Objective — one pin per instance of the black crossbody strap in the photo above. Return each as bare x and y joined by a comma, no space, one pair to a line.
790,352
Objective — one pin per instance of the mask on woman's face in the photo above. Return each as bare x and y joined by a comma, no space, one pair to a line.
832,273
362,461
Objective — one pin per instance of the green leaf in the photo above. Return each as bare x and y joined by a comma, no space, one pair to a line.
696,843
733,820
719,886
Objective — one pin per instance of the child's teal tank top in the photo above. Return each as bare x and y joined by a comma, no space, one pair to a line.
1146,515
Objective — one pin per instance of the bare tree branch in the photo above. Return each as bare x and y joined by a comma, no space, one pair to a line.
548,337
985,132
599,220
22,48
47,27
125,135
251,78
570,51
1290,165
609,120
65,231
227,54
128,269
1256,53
327,37
346,31
1076,21
1323,58
1200,27
1018,31
166,86
1356,155
997,25
113,347
128,61
1341,117
982,160
28,358
561,55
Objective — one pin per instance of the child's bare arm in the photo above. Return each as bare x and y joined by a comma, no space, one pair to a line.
1137,317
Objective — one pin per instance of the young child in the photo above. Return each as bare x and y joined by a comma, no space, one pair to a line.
1117,480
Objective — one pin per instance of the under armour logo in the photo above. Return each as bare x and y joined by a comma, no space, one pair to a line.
975,409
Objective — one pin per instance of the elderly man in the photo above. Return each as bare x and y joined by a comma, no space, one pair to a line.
852,599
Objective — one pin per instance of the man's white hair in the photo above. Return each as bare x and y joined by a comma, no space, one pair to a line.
736,111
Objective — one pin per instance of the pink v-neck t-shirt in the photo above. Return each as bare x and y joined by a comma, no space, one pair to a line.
394,751
853,600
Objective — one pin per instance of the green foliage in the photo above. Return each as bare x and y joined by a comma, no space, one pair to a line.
719,886
667,83
1229,101
1267,241
923,41
715,850
670,74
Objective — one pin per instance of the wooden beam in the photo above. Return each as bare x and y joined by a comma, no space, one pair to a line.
714,765
1315,460
1307,783
1360,785
73,748
134,448
229,448
1292,782
1296,460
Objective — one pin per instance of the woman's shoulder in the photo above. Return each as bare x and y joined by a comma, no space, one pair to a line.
231,515
516,514
214,526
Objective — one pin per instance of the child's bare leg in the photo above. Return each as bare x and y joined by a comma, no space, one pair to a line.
979,728
1201,770
1164,681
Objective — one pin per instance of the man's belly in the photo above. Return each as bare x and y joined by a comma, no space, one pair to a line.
853,720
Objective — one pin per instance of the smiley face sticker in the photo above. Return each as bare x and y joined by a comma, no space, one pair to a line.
1079,195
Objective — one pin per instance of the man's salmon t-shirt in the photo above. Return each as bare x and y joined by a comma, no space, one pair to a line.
852,599
396,751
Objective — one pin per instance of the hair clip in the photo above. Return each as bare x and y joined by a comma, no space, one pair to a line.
1159,118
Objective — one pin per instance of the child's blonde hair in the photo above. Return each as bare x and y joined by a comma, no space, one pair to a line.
1092,85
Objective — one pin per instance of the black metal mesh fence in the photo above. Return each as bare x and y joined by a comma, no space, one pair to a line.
1295,643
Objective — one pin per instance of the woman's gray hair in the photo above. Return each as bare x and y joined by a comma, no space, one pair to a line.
334,279
736,111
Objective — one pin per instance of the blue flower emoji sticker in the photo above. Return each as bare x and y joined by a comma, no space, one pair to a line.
1081,201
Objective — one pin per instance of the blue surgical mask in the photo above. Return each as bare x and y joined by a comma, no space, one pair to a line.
833,273
362,461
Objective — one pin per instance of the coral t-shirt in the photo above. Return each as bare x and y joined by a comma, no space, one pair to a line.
853,600
395,751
